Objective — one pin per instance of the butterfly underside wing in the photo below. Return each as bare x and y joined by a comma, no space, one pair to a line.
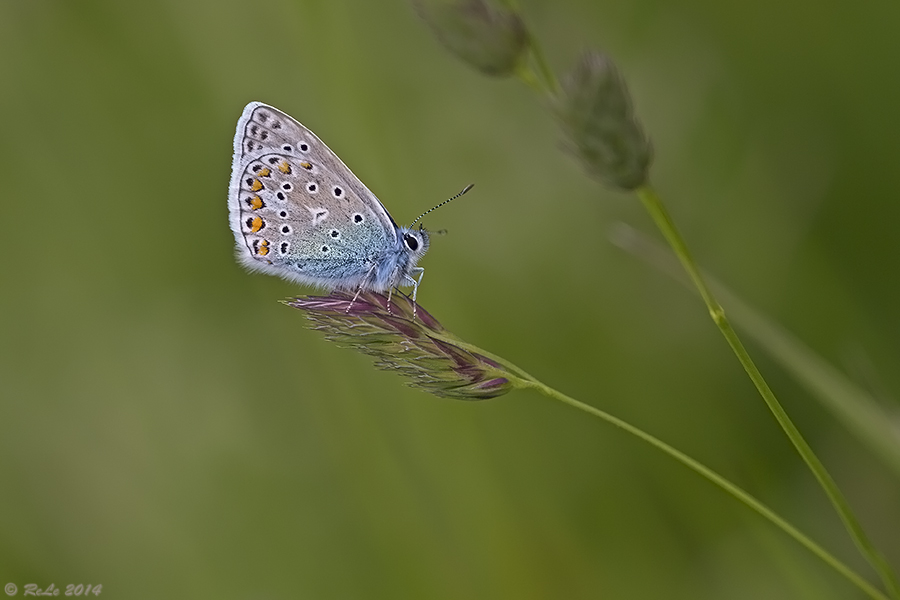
298,212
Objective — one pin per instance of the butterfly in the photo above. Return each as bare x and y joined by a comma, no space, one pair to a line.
298,212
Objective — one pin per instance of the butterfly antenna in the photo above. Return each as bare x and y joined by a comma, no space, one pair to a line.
467,188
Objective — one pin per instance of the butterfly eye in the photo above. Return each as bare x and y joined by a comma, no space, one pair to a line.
411,242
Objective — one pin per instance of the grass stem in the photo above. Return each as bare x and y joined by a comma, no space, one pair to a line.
660,216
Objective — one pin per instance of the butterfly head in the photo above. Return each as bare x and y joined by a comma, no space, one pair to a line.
415,242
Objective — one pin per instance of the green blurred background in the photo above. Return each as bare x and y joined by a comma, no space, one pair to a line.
171,431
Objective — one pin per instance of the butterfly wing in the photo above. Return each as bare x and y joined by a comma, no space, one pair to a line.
297,211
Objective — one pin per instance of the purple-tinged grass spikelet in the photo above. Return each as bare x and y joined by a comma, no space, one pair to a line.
416,346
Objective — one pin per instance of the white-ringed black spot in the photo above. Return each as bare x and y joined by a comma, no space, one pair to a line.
280,196
311,187
286,187
286,148
282,214
285,229
337,191
357,218
411,242
324,248
335,233
304,147
283,248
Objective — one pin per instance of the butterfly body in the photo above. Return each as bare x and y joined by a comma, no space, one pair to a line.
298,212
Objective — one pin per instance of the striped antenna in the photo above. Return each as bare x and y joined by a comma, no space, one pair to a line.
468,187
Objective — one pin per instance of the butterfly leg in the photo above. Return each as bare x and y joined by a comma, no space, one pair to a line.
416,283
359,291
355,296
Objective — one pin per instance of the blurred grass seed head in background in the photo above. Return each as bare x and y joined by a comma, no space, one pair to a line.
488,37
595,112
593,106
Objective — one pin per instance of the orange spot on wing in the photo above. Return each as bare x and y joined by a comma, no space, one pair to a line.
256,224
284,167
256,185
306,165
256,203
263,248
264,172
